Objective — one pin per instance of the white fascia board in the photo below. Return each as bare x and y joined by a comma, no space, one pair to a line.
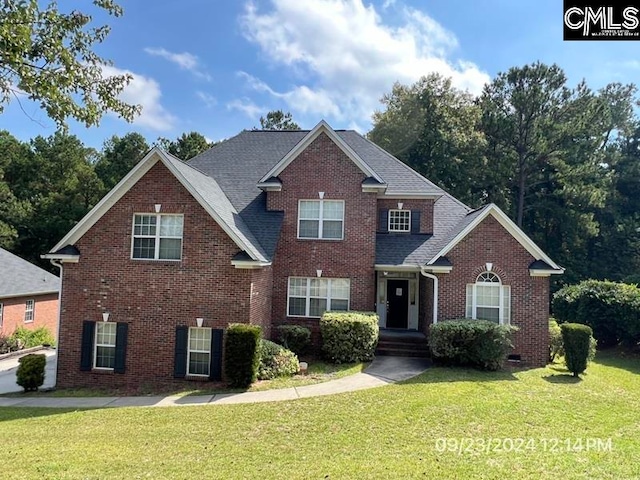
397,268
321,127
64,258
248,264
522,238
270,187
544,273
30,295
437,269
409,196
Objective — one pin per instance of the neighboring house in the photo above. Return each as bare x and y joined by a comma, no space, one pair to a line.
275,227
28,295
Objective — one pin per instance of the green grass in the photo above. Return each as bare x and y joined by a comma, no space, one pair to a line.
388,432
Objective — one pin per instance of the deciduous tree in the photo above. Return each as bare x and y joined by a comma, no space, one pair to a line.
48,56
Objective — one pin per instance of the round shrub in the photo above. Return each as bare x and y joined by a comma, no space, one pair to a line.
241,354
577,340
295,337
276,361
30,373
349,337
477,343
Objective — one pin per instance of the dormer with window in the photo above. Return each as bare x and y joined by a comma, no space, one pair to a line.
412,216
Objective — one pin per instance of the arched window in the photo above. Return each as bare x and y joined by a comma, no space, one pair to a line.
489,299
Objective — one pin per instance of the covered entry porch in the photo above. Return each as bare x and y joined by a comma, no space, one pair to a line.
398,298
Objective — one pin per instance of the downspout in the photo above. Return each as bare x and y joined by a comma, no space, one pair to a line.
435,292
55,367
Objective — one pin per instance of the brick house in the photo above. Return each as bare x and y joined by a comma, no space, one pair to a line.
28,296
271,228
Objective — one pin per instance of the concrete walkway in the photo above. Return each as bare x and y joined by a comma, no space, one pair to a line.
382,371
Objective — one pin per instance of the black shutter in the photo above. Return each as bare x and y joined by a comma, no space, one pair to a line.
415,221
180,361
215,368
383,216
86,350
121,347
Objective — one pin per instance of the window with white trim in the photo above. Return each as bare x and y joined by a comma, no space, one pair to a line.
323,219
105,345
157,237
399,220
29,308
311,297
199,351
1,313
489,299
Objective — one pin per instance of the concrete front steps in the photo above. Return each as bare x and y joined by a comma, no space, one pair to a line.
402,343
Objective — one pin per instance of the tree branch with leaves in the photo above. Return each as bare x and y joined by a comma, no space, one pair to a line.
48,56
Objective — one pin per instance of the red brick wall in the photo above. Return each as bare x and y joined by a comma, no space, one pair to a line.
152,296
425,312
261,291
323,167
490,242
425,207
45,313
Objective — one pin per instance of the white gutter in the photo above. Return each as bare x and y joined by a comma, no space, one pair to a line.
435,293
55,367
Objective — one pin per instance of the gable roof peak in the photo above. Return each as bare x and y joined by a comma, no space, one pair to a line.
321,127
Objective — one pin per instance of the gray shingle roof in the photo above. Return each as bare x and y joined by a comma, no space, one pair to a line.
19,277
449,220
238,164
213,195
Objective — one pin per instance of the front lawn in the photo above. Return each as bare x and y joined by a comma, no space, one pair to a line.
389,432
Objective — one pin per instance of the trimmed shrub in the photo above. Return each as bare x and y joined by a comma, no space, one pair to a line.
295,337
477,343
349,337
556,345
611,309
30,374
241,354
276,361
555,340
33,338
577,340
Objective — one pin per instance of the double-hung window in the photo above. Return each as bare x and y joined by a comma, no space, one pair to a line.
28,311
488,299
157,237
199,351
399,221
311,297
105,345
323,219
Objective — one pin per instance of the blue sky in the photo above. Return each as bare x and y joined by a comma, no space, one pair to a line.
216,67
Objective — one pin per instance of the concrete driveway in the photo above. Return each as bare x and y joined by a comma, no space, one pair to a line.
9,367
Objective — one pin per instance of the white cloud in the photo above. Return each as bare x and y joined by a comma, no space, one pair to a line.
343,57
246,106
209,100
185,60
307,100
146,92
